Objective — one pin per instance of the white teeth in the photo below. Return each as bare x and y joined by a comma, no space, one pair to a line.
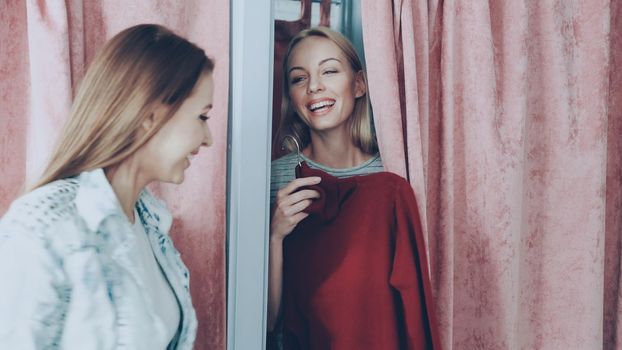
320,104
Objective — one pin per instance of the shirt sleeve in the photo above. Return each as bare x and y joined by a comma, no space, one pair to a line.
409,274
41,304
30,312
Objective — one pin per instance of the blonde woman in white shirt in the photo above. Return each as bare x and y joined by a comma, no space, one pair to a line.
85,257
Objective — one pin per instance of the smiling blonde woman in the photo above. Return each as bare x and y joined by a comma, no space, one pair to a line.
327,110
85,257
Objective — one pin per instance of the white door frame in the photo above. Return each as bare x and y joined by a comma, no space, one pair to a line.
248,169
248,164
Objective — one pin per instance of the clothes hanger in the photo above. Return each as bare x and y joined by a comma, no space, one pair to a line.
297,147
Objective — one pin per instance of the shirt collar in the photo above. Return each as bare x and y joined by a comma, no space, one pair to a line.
153,211
96,201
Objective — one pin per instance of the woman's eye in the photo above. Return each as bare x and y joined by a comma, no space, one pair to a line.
296,80
330,71
204,117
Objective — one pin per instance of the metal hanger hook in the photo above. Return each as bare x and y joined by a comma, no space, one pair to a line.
297,147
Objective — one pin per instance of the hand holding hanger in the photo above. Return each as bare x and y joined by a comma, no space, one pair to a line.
291,201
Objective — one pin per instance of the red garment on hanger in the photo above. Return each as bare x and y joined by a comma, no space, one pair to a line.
355,271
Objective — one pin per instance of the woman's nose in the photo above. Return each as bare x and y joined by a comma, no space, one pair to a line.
208,136
315,85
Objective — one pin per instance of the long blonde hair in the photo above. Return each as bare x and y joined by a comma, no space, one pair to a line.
361,122
139,69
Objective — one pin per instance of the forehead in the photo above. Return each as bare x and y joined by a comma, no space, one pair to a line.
204,88
312,50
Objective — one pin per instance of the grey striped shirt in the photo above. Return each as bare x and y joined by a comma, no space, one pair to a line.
282,171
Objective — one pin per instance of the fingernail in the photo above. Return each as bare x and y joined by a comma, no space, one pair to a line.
318,179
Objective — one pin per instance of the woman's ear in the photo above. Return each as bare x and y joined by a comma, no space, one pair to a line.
148,123
360,88
152,119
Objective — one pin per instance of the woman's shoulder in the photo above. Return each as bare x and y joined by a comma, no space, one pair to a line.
282,169
41,209
285,160
374,164
48,200
282,172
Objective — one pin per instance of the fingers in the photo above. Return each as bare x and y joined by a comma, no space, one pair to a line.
281,226
299,196
299,217
298,207
295,184
290,203
296,202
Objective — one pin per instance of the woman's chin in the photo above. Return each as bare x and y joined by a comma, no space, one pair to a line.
176,178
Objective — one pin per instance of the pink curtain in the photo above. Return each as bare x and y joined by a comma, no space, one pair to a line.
506,117
45,47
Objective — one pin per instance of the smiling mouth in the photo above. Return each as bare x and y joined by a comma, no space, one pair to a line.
321,105
190,156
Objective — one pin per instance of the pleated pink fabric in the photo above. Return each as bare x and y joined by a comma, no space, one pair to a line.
506,116
45,48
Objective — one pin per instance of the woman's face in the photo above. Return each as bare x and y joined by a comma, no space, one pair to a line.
171,149
322,84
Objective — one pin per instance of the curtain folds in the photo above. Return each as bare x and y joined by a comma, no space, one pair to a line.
45,49
506,118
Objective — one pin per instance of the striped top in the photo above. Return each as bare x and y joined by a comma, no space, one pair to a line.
282,171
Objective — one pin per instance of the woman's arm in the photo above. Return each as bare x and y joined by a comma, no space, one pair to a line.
287,213
30,316
43,303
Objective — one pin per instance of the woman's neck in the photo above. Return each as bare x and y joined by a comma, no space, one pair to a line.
336,151
126,184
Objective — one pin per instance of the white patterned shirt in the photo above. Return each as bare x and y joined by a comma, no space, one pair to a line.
70,278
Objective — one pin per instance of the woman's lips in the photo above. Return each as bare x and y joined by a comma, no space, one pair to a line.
320,107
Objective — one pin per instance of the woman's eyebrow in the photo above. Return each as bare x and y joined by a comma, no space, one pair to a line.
319,64
294,68
328,59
